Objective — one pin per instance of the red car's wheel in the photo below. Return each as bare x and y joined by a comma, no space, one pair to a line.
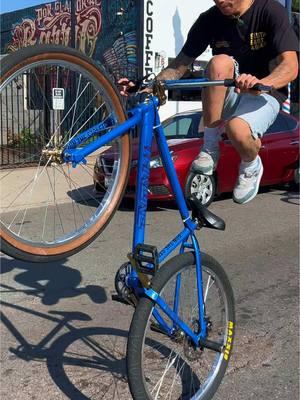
202,186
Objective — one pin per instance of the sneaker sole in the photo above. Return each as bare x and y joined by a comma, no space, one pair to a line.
245,200
204,170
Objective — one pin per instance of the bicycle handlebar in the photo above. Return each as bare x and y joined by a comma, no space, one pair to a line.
257,86
186,84
200,83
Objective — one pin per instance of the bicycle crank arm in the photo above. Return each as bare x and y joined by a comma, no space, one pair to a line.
209,344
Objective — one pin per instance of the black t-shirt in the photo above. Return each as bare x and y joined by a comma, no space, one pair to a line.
254,39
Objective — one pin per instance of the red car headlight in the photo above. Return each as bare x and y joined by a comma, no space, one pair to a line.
156,162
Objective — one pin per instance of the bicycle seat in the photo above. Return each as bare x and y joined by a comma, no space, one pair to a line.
205,217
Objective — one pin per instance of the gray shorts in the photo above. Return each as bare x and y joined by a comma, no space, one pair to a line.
259,111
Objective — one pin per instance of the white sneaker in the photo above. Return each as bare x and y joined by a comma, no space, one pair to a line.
205,162
248,183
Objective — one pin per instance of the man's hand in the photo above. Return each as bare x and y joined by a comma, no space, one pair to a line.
125,85
245,82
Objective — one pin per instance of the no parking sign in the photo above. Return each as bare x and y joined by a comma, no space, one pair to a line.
58,98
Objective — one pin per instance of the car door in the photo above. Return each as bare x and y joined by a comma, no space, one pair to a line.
281,142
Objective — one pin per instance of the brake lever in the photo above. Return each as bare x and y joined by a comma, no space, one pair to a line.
258,86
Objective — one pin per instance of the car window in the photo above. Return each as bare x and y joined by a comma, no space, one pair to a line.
178,128
282,123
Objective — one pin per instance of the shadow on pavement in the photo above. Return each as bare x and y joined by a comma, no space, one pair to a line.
290,192
90,363
50,282
128,205
292,196
83,363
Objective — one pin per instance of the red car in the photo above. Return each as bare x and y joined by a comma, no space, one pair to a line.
279,153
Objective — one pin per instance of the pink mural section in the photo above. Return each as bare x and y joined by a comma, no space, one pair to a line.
52,25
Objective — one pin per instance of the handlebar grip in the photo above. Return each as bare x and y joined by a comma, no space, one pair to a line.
257,86
138,85
262,88
132,89
229,83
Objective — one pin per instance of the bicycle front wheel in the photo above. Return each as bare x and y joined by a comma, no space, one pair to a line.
50,95
170,367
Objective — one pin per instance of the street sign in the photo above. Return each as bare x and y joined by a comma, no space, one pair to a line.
58,98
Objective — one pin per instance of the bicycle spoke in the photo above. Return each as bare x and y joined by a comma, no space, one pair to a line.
207,288
52,185
90,196
33,180
95,112
71,108
75,105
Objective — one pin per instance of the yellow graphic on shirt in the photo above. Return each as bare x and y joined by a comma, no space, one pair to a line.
258,40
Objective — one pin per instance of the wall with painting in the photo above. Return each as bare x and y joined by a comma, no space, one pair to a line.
104,30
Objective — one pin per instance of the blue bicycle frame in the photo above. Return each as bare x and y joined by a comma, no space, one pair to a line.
146,115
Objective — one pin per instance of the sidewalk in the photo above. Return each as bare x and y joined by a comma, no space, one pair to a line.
42,185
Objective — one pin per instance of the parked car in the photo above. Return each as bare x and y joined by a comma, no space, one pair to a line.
279,153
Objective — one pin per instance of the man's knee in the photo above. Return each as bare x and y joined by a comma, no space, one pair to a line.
220,66
238,130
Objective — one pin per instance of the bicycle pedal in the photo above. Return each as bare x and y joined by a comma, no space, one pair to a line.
145,259
119,299
130,301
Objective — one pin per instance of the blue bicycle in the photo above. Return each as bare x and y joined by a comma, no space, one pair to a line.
61,116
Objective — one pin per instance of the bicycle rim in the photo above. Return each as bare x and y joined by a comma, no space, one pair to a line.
172,367
49,207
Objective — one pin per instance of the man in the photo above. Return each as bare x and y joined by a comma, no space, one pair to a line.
253,42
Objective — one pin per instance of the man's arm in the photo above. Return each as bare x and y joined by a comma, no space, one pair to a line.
177,68
284,69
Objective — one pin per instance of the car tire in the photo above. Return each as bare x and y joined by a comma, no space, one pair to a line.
202,186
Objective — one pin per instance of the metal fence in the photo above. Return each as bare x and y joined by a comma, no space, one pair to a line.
28,121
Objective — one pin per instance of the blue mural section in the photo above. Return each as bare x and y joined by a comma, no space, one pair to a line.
106,30
117,48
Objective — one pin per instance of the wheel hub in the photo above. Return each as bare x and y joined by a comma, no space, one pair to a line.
53,155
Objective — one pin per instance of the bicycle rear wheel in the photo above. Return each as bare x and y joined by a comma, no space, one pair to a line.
49,95
170,367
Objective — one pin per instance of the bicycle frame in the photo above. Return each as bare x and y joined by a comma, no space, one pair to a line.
146,115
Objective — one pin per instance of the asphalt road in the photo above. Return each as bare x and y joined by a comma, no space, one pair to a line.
62,336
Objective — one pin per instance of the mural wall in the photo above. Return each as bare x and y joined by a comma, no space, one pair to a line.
104,29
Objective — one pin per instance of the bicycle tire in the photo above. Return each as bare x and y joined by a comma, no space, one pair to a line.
74,69
143,377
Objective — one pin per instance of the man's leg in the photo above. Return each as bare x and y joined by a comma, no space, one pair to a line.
245,126
251,167
240,134
220,67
